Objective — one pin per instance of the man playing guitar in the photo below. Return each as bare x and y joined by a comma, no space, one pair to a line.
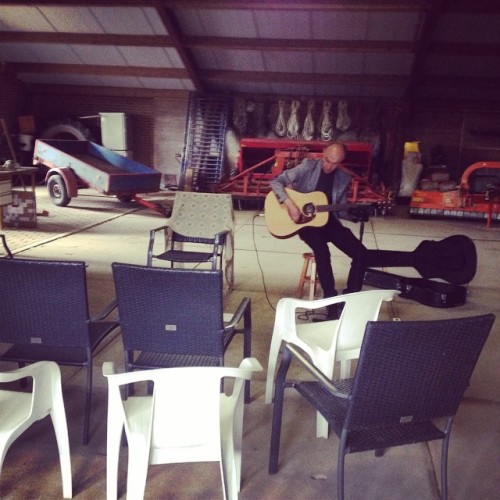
324,175
295,207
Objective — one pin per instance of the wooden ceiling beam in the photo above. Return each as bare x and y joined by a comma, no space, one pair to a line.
96,69
465,49
86,38
428,26
321,5
462,82
231,43
172,26
296,45
339,5
106,91
300,78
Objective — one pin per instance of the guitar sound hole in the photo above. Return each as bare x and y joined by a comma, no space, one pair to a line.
309,209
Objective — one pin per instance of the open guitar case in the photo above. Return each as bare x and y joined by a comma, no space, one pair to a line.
453,259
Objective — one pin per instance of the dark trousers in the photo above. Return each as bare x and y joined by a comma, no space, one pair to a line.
317,238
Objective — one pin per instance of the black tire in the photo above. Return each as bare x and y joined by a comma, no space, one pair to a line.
125,198
69,130
57,191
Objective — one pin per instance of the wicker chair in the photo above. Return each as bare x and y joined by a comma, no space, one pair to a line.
44,314
327,342
174,317
409,374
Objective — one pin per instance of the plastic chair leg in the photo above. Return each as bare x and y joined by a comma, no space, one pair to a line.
322,426
112,458
231,438
88,402
345,368
58,417
138,462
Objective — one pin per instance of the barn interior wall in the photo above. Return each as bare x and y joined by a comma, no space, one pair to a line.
458,136
156,124
455,136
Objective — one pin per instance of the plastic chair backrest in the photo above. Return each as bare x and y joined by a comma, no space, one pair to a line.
346,332
416,370
182,421
19,410
44,302
164,310
359,308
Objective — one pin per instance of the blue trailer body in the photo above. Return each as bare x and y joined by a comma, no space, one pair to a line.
96,167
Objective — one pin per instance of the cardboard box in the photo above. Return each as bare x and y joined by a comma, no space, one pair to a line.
22,211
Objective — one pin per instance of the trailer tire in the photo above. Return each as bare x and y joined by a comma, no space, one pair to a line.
69,130
58,191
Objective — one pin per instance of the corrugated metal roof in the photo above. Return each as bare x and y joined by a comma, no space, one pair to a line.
381,48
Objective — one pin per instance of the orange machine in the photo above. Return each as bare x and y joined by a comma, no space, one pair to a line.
260,160
477,196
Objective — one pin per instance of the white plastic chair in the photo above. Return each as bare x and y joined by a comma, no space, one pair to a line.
328,341
19,410
187,419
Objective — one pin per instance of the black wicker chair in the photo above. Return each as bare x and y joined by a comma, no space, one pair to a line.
174,317
44,315
409,374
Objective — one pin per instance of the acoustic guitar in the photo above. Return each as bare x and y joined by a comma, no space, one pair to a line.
314,209
453,259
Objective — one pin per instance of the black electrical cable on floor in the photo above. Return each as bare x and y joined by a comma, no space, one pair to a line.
302,315
258,262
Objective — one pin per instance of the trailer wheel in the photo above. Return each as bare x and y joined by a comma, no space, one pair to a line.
57,191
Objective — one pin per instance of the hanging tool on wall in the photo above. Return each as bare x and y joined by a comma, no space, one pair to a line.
308,130
280,127
326,122
343,120
292,126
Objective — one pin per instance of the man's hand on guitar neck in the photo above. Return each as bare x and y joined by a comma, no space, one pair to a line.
293,210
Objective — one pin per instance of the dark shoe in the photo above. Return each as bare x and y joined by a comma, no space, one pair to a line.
334,312
326,318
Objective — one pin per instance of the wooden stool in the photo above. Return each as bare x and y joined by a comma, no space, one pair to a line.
308,275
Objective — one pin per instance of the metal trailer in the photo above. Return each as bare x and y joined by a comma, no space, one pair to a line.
83,164
476,197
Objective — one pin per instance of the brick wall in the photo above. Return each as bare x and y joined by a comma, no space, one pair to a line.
156,124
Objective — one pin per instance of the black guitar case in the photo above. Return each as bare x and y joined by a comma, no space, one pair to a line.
453,259
426,291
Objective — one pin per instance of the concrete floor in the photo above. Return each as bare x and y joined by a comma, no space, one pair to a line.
100,230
